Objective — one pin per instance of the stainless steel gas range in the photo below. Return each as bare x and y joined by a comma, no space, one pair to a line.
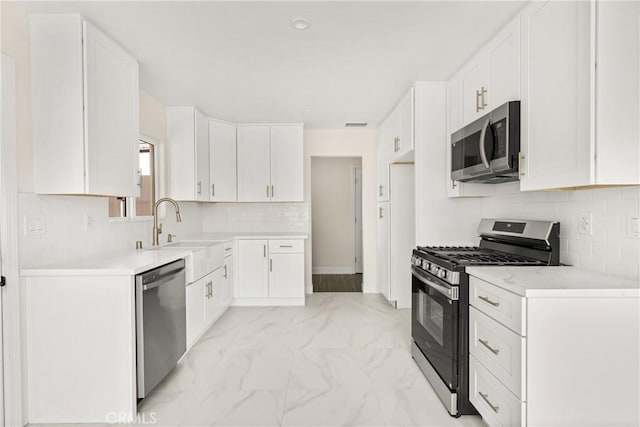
440,305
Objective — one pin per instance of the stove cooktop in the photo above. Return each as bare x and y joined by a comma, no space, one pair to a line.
473,255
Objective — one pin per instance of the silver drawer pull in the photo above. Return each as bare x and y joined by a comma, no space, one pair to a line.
486,344
286,246
488,301
485,397
227,249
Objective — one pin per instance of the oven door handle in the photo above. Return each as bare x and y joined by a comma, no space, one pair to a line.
451,292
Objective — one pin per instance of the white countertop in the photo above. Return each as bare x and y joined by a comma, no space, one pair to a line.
226,236
132,262
557,281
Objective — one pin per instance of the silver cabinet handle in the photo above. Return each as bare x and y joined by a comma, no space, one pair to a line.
139,177
520,159
380,190
199,187
486,344
267,190
225,271
271,265
264,251
478,108
488,301
483,92
380,213
272,192
286,246
213,190
453,184
485,397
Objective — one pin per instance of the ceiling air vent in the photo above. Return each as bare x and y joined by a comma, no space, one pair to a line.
355,125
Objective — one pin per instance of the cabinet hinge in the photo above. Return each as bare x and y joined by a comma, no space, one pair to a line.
3,281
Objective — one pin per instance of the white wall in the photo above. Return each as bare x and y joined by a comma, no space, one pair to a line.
439,220
332,210
608,249
347,143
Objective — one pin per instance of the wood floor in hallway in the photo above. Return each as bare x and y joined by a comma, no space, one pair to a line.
337,282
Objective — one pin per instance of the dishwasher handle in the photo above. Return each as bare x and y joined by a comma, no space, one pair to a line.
161,281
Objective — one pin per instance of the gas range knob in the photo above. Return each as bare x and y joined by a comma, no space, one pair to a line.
426,264
442,274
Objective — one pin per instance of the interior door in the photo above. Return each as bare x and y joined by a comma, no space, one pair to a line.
358,217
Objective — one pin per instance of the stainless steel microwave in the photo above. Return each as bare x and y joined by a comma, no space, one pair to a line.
487,149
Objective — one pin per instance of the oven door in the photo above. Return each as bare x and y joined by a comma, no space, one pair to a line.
434,323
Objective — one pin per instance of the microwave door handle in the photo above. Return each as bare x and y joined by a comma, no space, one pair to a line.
483,152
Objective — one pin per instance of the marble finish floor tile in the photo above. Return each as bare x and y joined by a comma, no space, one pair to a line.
342,360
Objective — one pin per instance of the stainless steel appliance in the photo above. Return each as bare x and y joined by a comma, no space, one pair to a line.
160,323
440,309
487,149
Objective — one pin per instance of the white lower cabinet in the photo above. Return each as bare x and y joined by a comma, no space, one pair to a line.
205,303
544,360
270,272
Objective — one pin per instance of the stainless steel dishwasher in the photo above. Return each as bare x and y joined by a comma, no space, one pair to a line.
160,323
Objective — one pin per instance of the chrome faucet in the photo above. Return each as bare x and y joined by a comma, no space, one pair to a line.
158,229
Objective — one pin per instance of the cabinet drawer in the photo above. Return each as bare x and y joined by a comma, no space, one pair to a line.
499,304
286,246
501,350
497,405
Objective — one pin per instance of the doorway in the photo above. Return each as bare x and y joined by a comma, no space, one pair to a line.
336,224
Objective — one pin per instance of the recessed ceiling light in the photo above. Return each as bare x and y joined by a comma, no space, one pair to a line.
300,23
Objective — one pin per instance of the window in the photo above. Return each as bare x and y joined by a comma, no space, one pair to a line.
129,207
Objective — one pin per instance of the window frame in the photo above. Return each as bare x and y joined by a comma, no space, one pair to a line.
130,202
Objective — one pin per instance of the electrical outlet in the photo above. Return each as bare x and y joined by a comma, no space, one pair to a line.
33,224
584,223
633,225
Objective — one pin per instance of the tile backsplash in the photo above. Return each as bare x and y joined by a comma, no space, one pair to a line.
609,248
259,217
66,235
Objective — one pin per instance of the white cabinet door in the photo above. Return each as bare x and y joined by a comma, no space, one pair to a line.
202,156
401,238
222,161
473,87
286,275
503,56
253,164
253,272
227,281
405,115
195,305
384,158
111,99
556,88
383,249
213,296
286,163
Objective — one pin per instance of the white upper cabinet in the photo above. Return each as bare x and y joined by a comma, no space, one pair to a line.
84,109
384,152
187,154
580,122
254,182
222,161
286,163
492,77
270,163
400,129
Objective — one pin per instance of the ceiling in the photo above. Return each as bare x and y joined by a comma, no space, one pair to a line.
243,62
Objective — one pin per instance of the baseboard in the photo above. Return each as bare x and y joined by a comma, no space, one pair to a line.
333,270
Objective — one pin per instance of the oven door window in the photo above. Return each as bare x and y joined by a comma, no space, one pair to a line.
435,329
